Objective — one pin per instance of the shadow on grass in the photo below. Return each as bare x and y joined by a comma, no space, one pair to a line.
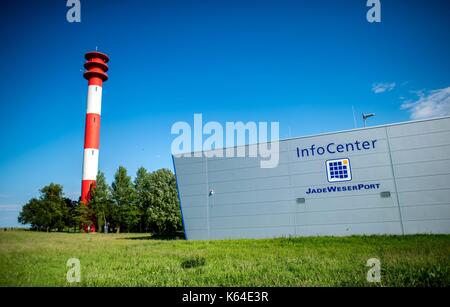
177,236
193,262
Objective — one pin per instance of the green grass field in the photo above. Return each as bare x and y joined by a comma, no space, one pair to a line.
39,259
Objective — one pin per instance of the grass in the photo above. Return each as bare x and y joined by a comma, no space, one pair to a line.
39,259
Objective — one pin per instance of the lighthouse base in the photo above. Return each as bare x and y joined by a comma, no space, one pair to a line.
87,228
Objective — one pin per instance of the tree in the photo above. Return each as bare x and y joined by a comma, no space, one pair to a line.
164,215
35,214
85,215
48,212
101,201
71,218
52,197
149,204
142,186
122,192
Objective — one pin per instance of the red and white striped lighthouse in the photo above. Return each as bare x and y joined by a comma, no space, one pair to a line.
95,73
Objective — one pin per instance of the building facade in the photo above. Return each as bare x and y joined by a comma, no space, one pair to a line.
392,179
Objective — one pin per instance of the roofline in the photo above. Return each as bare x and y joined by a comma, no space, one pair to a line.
326,133
366,128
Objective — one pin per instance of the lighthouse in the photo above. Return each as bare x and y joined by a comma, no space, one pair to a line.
96,68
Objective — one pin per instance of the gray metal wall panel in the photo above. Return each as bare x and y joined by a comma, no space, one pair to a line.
252,202
355,216
247,173
418,128
254,196
253,221
247,209
198,234
427,226
349,202
421,153
346,230
249,185
429,168
423,183
432,212
415,198
408,142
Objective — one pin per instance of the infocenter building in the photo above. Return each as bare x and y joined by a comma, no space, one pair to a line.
392,179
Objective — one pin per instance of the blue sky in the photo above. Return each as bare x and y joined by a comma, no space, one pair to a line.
301,63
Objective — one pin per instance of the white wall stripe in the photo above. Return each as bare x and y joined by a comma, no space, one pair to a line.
94,99
90,164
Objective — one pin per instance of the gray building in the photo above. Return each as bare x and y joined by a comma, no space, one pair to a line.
392,179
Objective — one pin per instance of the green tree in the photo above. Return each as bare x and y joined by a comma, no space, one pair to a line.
122,194
101,201
164,216
71,217
35,214
48,212
85,215
52,196
149,204
142,186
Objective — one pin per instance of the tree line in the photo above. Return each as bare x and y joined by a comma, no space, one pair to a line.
147,204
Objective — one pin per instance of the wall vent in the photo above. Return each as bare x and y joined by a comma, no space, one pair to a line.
385,194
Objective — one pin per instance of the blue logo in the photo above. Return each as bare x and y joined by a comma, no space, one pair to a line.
339,170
